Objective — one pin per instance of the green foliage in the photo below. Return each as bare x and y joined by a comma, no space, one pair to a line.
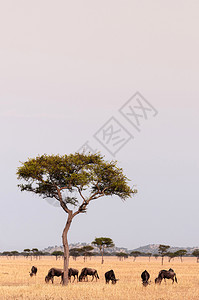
7,253
180,253
135,253
86,251
34,250
27,252
171,254
75,252
103,242
51,175
122,254
196,253
15,253
163,249
149,254
57,253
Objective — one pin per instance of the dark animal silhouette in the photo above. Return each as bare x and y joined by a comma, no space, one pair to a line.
158,280
110,275
163,274
73,272
145,278
87,271
33,271
54,272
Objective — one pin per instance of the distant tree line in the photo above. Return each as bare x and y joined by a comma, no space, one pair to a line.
26,253
103,243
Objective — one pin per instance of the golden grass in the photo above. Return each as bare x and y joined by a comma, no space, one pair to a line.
15,282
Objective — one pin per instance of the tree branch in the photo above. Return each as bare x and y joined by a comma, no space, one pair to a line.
63,205
84,204
79,190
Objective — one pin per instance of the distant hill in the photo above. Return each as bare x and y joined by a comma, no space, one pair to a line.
151,248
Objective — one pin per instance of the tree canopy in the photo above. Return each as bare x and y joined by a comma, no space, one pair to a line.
196,254
50,175
103,242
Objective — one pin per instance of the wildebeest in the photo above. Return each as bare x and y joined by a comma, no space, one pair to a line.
72,272
163,274
87,271
54,272
145,278
110,275
33,271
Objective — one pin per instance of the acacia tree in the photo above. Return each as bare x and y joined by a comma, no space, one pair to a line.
58,177
57,254
27,252
121,255
135,254
35,252
196,254
102,243
149,254
85,251
156,256
74,252
171,255
180,253
163,250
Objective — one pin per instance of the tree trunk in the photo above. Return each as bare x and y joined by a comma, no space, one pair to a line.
102,256
162,259
66,249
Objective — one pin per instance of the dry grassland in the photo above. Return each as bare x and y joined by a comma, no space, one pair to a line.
15,282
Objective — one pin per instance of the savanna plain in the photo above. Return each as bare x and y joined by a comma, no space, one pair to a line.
15,282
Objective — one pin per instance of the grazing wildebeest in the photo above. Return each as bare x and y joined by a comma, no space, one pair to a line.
110,275
33,271
54,272
145,278
163,274
72,272
87,271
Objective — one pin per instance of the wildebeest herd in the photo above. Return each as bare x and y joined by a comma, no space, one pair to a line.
109,275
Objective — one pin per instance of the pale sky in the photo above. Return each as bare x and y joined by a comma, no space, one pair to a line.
66,68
